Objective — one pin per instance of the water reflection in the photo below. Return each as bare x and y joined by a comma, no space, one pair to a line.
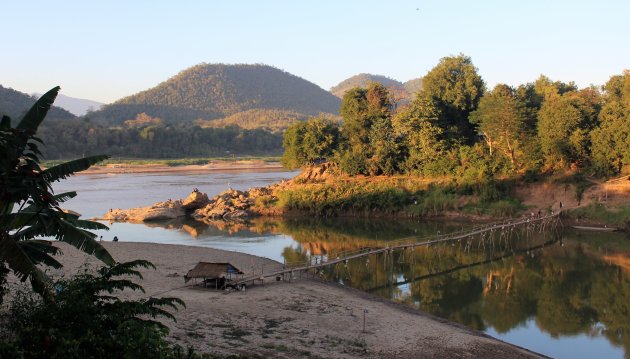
560,287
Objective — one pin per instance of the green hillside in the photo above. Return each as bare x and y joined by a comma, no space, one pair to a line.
15,103
362,80
212,91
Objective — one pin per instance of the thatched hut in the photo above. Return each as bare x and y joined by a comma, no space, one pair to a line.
217,274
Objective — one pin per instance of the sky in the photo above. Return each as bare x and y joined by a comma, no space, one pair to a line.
105,50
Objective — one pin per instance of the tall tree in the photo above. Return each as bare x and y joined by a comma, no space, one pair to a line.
501,119
457,88
423,138
309,141
611,139
564,123
361,109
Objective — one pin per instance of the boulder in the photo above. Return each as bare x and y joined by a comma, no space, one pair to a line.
158,211
195,200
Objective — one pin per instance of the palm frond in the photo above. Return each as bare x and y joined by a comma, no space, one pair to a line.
83,241
63,170
62,197
40,251
91,225
36,114
22,265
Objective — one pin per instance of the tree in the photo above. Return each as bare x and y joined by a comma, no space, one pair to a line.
564,122
306,142
28,207
361,109
501,119
423,138
611,139
457,88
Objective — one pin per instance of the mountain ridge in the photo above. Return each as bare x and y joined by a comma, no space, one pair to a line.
213,91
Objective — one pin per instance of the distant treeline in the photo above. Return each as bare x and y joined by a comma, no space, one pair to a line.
149,138
456,127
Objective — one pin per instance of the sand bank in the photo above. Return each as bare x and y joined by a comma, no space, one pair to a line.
258,166
305,318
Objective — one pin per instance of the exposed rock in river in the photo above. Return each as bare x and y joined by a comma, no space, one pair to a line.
159,211
195,200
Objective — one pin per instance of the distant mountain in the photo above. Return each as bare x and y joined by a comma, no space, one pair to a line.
402,92
362,80
413,86
15,104
77,106
213,91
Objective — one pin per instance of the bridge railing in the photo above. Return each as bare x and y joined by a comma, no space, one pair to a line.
420,240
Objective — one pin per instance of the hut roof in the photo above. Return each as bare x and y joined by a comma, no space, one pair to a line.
211,270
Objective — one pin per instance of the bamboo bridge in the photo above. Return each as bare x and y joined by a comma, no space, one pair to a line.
291,269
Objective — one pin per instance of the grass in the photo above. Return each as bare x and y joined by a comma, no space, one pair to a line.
619,216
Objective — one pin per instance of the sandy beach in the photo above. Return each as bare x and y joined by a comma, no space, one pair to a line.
223,166
303,318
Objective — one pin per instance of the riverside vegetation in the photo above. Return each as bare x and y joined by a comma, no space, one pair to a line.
457,140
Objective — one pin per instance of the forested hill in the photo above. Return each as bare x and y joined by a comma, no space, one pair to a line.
398,90
211,91
362,80
15,104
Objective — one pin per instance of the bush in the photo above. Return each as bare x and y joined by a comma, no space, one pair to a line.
86,321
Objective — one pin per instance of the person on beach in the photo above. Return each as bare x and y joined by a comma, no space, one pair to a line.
115,239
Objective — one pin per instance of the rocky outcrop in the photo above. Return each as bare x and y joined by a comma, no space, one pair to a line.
156,212
195,200
231,204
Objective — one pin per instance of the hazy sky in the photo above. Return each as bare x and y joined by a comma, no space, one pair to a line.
104,50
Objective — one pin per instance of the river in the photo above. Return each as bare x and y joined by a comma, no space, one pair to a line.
562,293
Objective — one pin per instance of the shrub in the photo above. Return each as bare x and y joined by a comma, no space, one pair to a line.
86,320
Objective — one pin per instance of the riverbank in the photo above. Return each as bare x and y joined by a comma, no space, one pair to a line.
306,318
216,165
320,192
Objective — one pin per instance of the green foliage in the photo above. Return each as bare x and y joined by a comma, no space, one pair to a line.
210,91
70,138
611,140
501,119
596,211
563,127
273,120
457,88
307,142
422,138
330,199
399,91
28,207
88,319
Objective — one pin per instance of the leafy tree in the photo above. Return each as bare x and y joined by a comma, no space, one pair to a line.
88,320
501,119
423,138
306,142
457,88
611,139
28,207
564,122
361,109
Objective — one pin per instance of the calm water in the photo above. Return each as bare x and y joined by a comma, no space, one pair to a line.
563,294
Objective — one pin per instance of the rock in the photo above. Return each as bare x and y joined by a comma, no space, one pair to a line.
195,200
158,211
238,214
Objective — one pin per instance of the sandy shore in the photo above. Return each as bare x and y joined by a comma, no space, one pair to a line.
304,318
213,166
